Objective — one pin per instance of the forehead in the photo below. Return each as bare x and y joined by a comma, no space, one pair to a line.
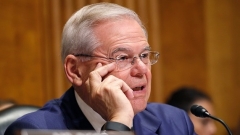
120,35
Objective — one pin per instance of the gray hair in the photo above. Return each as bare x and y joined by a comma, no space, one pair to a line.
78,36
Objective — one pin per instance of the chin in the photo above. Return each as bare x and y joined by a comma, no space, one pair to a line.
138,105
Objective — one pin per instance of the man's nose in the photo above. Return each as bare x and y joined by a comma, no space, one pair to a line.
136,59
139,67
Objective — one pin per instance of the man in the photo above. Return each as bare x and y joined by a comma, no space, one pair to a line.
108,61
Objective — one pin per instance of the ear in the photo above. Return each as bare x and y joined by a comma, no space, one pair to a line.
71,64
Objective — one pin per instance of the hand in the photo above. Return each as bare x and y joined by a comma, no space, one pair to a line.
109,95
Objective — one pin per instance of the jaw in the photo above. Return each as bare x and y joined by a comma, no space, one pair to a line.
138,105
141,96
139,102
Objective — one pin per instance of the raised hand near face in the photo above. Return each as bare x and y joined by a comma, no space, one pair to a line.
109,95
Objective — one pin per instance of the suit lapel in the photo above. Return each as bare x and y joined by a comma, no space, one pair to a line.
73,116
144,122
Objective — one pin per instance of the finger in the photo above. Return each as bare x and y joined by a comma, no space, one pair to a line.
101,71
119,84
104,70
127,91
98,66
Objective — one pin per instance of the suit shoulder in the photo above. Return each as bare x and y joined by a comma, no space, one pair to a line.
37,118
165,110
168,119
162,107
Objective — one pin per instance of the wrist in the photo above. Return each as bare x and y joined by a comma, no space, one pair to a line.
115,126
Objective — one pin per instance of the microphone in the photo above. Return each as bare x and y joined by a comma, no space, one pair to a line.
199,111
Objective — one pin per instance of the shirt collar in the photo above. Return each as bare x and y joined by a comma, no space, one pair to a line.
93,117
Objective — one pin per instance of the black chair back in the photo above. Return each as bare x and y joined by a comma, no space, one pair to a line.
12,113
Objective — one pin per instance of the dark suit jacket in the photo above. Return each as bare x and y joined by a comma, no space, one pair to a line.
64,113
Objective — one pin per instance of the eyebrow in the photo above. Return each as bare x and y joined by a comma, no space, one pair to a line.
147,48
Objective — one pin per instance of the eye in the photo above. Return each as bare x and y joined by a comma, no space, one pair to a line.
122,58
144,55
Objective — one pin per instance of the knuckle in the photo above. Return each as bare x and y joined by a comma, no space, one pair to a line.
92,73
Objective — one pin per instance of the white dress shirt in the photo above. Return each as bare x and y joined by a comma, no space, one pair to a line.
93,117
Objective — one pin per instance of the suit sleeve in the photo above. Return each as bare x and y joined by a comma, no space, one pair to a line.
16,127
189,124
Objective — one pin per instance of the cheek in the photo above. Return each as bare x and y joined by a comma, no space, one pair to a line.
149,76
124,75
84,75
149,80
85,71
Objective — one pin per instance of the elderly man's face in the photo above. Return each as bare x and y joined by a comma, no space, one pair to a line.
126,38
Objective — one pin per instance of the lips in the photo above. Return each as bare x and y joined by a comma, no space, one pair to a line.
138,88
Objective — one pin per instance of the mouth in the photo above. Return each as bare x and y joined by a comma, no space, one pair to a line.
138,88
